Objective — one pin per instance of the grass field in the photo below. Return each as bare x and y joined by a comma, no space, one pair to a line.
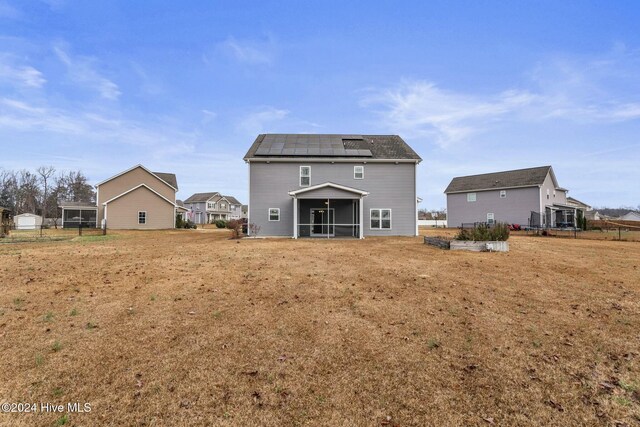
189,328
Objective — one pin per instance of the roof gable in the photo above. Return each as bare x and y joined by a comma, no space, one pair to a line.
201,197
329,185
529,177
167,177
232,200
134,189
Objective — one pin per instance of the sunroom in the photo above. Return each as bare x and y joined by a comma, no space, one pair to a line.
328,211
79,214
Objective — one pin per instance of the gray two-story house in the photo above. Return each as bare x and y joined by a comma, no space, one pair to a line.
204,208
528,197
303,185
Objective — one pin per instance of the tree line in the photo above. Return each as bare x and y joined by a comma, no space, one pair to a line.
41,191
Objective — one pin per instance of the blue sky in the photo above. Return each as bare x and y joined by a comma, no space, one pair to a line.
185,87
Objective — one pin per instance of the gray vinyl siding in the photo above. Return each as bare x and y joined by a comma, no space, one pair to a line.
391,186
198,206
514,209
560,196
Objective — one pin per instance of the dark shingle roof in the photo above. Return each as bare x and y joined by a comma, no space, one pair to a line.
169,178
232,200
72,204
516,178
200,197
390,147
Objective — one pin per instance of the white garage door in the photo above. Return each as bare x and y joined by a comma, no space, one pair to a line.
27,223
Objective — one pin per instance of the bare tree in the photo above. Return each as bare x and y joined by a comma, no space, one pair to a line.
77,188
28,192
45,172
8,189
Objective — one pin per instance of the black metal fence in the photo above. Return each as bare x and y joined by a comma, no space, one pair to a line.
46,232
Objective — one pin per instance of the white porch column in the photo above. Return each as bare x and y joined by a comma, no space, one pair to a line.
295,217
361,209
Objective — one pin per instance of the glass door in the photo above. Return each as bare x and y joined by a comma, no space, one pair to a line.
323,222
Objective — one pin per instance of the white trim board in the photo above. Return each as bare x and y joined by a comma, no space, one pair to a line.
329,184
135,188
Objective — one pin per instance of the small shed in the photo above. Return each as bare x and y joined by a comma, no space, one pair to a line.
27,221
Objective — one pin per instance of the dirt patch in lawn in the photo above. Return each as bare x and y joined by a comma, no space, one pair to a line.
187,327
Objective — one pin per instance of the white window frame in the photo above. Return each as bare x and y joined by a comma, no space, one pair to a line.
211,205
355,174
472,197
379,210
305,176
145,217
503,194
491,218
269,214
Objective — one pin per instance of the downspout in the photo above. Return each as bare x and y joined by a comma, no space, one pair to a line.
295,217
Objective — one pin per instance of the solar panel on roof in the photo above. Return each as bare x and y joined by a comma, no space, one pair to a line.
313,145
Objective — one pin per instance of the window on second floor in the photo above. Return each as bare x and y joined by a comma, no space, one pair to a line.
223,205
211,205
358,172
503,194
305,176
471,197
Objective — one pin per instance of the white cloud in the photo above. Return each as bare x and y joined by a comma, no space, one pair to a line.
262,120
209,116
21,116
20,75
595,90
82,71
420,108
249,51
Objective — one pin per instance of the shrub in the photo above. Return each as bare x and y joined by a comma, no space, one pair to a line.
254,229
190,224
180,223
236,228
221,223
482,232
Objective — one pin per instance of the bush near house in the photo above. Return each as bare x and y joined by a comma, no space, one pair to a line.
221,223
236,228
482,232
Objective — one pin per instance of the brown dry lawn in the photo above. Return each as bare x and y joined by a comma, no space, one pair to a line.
189,328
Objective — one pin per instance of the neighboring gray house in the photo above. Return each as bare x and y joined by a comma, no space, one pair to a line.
630,216
204,208
235,208
332,185
575,202
529,197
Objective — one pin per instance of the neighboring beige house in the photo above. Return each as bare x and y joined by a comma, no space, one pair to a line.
138,199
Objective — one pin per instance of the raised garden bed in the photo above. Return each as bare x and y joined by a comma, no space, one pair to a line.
467,245
483,246
440,242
